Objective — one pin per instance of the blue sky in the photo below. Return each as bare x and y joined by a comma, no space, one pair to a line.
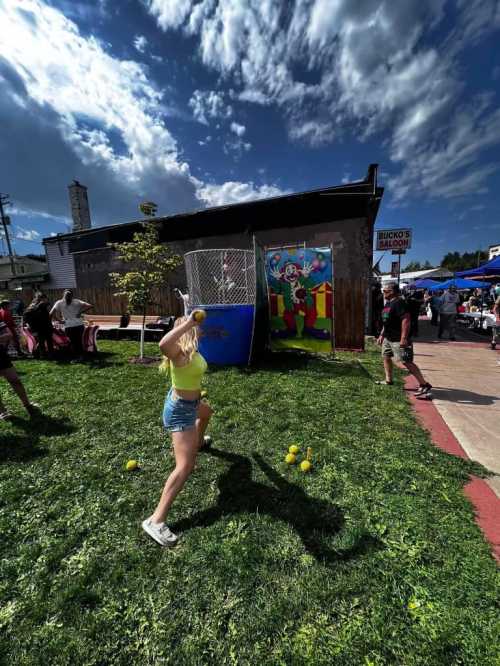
192,103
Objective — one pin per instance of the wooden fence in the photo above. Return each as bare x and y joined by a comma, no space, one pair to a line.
106,303
349,307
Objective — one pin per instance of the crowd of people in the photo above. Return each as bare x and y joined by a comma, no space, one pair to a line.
38,320
443,307
395,317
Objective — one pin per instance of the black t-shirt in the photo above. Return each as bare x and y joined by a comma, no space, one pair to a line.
38,318
392,317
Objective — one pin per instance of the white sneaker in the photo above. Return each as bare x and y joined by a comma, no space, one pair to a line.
160,533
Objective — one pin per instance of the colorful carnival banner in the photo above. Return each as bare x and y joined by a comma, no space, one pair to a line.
300,294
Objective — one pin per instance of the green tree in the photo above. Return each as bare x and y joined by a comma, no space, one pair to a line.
454,261
150,264
412,266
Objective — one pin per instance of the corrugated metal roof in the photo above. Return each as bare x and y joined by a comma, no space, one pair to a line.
61,265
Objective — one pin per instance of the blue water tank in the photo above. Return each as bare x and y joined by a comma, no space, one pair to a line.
227,334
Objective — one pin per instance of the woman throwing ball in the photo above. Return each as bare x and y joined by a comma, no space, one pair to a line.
184,415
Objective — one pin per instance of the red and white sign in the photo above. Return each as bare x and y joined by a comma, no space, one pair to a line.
394,239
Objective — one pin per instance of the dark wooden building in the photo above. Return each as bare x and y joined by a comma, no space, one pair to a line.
341,216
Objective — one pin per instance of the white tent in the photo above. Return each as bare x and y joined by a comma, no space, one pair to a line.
432,273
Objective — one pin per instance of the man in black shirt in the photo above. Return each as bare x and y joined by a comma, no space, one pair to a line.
395,339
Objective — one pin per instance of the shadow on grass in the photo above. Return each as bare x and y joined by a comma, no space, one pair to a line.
280,362
23,448
315,521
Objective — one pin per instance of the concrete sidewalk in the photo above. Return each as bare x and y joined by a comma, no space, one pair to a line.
466,387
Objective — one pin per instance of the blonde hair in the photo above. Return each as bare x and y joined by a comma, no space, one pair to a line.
187,342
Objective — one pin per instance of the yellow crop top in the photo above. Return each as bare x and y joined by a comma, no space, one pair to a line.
188,377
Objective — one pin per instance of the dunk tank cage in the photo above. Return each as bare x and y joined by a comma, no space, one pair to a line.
223,283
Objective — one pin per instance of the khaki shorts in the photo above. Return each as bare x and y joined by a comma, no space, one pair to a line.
394,350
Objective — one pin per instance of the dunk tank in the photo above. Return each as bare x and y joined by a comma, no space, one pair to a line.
262,299
223,283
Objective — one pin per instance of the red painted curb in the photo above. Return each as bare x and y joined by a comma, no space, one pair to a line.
484,500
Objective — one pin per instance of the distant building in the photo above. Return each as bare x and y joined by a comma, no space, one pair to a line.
494,251
408,278
79,203
28,269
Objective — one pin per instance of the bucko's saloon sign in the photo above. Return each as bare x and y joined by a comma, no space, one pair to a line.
394,239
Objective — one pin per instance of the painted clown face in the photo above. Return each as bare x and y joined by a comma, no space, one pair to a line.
291,272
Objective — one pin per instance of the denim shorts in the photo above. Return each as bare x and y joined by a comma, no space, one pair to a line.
179,414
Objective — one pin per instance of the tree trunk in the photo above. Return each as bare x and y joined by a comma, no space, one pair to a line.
141,352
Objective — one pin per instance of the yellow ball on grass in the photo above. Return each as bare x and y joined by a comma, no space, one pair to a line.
290,459
294,449
131,465
305,466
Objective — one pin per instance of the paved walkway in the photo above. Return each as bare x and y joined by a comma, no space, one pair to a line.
466,380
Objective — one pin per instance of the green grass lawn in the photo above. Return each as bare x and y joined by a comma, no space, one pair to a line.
374,558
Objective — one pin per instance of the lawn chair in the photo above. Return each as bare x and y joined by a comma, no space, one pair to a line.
60,340
30,341
90,339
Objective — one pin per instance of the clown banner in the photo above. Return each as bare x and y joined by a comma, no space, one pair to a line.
300,294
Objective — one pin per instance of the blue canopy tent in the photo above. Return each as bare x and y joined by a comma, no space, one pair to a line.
425,283
491,267
461,283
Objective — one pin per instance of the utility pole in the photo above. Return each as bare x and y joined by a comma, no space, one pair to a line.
4,200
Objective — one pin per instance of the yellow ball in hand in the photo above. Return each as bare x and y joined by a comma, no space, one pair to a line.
290,459
204,394
199,316
305,466
131,465
294,449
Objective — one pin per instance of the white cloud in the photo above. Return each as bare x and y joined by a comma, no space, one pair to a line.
82,83
476,18
106,110
372,69
26,212
26,234
239,130
140,43
236,147
208,104
312,132
236,192
450,168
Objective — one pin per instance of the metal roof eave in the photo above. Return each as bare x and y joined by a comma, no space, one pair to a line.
367,188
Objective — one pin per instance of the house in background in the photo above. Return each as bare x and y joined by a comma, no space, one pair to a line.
339,216
29,270
493,251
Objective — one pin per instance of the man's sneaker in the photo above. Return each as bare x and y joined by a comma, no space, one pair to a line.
424,392
160,533
33,409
